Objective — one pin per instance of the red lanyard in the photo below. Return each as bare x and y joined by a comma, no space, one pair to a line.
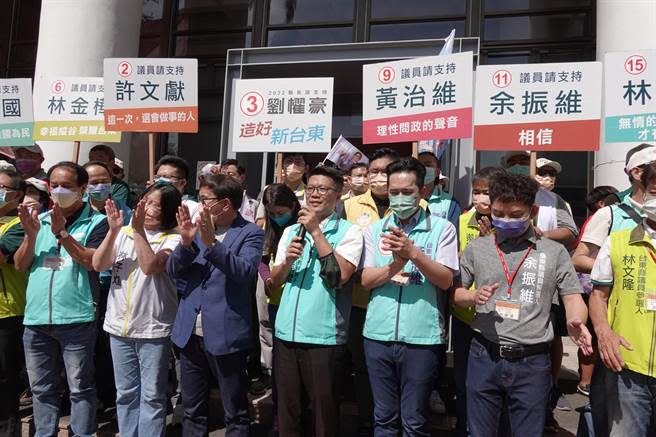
651,254
510,278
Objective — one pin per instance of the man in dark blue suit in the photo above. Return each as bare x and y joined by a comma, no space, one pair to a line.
218,258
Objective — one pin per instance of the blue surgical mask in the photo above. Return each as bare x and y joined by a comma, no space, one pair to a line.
519,169
99,192
430,176
511,228
403,205
281,220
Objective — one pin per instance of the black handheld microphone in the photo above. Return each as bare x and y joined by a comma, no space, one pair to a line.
301,232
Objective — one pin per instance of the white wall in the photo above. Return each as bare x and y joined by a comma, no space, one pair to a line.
74,38
621,25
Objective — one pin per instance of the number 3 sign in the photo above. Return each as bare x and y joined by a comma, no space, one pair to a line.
251,103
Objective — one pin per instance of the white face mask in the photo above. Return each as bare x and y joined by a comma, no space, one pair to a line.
546,182
358,182
294,172
482,203
64,197
649,207
378,183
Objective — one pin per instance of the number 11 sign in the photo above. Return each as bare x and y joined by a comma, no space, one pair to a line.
282,115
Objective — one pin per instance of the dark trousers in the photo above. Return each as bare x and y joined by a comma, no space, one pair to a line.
402,377
307,371
462,335
11,362
524,384
363,394
197,366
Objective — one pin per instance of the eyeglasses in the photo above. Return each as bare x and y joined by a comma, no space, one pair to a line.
205,200
168,177
321,190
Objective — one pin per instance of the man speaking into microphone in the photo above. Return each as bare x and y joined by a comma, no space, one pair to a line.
315,259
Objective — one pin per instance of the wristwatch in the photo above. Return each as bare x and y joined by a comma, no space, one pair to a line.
62,234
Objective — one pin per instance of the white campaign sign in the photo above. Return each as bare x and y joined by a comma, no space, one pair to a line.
282,115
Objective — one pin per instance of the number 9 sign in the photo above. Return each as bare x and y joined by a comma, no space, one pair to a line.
251,103
386,75
635,64
58,86
124,69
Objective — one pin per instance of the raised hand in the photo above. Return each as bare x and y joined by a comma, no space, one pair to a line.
139,216
207,231
186,227
115,217
29,220
57,219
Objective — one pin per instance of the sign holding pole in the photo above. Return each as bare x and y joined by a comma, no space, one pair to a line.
538,107
152,139
76,151
630,96
16,117
282,115
416,99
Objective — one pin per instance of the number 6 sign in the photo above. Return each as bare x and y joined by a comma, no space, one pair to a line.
251,103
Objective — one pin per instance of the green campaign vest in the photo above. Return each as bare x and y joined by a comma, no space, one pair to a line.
442,205
12,282
309,312
622,218
409,313
61,296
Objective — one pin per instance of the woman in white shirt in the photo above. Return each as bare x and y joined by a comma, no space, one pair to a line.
141,306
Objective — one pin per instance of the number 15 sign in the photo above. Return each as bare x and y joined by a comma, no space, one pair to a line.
282,115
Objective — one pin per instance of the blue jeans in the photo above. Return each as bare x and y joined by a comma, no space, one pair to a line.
524,384
141,369
630,399
49,349
401,375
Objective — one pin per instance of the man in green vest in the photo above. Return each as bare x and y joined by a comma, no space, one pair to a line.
59,315
622,308
624,215
12,300
440,203
410,257
316,258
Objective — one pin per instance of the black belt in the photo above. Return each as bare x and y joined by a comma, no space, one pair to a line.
513,352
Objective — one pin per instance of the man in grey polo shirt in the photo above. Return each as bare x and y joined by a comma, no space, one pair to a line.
518,274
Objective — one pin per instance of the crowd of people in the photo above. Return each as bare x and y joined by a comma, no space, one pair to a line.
335,280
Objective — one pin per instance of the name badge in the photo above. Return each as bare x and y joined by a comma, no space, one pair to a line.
508,310
651,302
401,278
53,262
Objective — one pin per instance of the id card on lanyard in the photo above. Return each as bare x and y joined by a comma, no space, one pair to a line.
506,308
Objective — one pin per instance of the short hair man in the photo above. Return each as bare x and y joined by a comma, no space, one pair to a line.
174,170
213,324
357,179
408,255
60,313
120,189
518,275
315,258
440,203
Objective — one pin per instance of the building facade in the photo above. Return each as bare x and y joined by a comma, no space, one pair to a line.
510,31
